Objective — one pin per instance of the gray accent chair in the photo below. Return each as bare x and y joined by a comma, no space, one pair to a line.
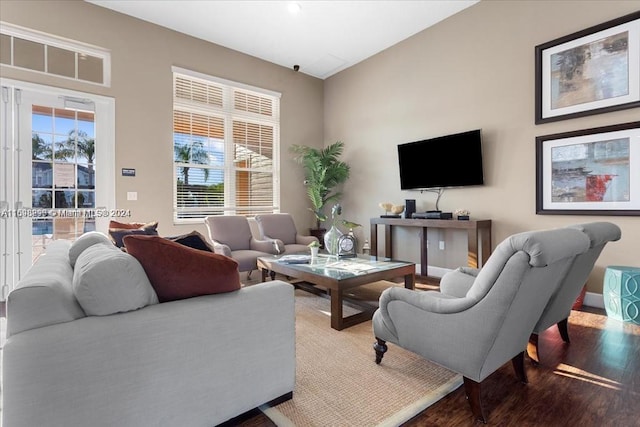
559,306
281,228
558,309
476,334
231,236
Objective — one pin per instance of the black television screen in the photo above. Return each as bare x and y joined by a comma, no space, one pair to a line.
446,161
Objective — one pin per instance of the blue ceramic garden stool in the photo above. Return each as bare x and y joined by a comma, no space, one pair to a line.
621,293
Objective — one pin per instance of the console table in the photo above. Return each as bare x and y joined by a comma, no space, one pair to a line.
476,230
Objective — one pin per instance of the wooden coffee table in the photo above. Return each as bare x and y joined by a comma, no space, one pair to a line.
339,275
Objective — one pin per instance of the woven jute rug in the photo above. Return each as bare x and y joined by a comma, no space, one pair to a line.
338,382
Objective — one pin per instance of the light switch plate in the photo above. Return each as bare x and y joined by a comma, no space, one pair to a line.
132,195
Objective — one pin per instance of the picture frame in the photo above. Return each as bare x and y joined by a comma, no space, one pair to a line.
593,71
589,172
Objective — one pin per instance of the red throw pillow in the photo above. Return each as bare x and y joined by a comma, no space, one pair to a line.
177,271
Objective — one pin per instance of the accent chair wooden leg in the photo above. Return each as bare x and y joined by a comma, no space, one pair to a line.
472,390
533,349
380,346
518,366
272,274
563,327
249,274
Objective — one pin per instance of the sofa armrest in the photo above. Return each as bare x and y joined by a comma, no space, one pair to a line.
305,240
268,245
198,361
430,304
431,301
458,282
221,248
44,296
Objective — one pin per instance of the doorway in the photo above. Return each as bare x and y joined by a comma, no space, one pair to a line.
56,170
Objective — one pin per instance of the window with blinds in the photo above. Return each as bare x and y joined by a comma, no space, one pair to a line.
225,144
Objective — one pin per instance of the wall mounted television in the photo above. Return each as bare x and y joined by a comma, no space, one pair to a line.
446,161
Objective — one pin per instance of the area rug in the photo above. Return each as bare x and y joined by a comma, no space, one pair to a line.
338,382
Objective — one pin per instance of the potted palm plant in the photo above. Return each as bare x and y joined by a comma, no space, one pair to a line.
324,172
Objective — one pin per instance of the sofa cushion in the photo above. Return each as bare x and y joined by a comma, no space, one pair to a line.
193,240
117,234
231,230
178,272
278,226
107,280
83,242
44,295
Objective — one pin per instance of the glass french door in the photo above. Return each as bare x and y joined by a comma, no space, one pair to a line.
56,170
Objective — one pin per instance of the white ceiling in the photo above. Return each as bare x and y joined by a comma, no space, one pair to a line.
323,37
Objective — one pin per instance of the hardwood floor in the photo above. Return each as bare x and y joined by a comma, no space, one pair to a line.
594,381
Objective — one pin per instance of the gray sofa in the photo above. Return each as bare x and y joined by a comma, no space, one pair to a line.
194,362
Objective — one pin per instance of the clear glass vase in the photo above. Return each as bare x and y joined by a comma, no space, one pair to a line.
331,240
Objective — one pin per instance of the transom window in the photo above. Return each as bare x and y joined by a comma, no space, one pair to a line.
225,145
45,53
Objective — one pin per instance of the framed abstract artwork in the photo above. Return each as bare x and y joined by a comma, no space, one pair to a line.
589,172
593,71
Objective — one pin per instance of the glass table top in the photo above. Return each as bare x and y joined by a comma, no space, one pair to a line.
335,267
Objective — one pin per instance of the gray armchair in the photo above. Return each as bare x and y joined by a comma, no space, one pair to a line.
281,228
476,334
559,306
558,309
231,236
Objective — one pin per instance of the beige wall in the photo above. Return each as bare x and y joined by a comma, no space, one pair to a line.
473,70
142,56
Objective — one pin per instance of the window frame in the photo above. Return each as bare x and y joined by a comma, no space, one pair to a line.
45,39
229,115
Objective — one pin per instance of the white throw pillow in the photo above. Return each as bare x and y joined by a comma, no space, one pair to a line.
107,281
83,242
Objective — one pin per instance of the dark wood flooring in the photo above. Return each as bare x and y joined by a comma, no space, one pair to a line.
594,381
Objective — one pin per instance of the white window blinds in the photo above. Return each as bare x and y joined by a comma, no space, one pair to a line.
226,144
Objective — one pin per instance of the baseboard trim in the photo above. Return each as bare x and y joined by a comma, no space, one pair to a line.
592,299
433,271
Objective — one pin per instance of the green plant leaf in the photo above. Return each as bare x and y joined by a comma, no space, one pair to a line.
323,171
349,224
